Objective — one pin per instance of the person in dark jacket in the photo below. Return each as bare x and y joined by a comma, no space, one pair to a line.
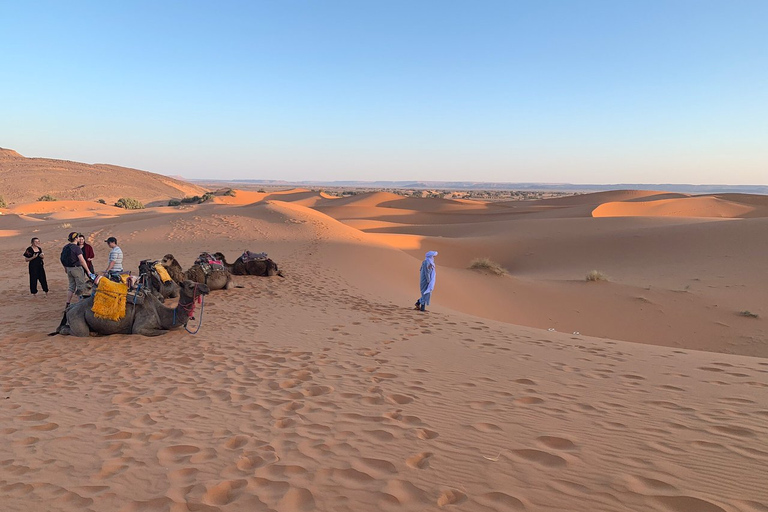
88,253
34,255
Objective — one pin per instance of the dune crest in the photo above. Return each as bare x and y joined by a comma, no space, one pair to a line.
24,180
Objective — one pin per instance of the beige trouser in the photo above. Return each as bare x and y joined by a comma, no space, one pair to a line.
77,282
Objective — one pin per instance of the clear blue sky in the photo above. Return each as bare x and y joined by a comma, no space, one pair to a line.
609,91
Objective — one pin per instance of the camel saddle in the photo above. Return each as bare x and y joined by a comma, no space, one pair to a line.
253,256
209,264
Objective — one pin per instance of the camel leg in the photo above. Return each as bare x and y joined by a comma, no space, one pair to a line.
147,323
77,325
230,284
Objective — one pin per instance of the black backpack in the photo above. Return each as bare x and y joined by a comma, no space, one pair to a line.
66,256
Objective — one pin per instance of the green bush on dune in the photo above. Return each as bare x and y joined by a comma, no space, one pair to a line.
46,197
129,203
2,202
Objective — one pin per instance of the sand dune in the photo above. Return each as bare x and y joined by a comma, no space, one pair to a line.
23,180
326,391
688,207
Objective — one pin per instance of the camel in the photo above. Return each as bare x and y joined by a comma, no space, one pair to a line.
147,316
216,279
151,280
265,267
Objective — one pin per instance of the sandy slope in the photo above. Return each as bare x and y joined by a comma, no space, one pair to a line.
325,391
24,180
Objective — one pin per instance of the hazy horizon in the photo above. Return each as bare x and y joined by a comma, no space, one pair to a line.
594,92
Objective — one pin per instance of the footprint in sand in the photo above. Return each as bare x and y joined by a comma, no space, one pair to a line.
556,443
426,434
529,400
451,497
541,457
419,461
500,501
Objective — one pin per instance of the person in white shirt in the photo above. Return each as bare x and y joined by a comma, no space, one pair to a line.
115,267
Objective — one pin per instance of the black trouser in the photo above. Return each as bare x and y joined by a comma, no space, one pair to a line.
37,273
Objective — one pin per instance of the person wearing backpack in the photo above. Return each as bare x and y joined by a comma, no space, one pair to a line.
76,268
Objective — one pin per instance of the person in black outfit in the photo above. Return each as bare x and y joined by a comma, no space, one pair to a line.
34,255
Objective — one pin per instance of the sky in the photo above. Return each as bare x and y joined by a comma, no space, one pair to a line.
547,91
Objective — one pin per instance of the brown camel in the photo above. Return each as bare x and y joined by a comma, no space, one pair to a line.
215,278
151,280
258,267
147,316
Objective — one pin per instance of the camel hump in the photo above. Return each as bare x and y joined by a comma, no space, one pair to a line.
249,256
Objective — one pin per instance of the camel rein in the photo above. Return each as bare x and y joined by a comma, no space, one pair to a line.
189,310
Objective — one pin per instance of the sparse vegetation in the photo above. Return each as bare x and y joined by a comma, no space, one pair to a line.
46,197
225,192
66,225
748,314
596,275
197,199
487,265
101,201
174,202
2,202
129,203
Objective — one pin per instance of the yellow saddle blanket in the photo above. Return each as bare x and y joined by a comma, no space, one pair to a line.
164,277
109,300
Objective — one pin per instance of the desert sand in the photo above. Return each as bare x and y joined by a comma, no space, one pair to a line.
325,390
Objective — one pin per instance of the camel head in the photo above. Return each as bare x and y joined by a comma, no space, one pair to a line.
169,261
191,290
219,256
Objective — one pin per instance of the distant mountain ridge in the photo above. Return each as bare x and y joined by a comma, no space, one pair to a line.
24,180
478,185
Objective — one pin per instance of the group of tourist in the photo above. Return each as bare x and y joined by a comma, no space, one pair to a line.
77,259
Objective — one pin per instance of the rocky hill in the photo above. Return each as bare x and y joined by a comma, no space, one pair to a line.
24,180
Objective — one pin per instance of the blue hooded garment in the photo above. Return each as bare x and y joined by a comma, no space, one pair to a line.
427,277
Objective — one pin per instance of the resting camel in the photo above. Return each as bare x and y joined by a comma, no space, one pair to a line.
265,267
217,279
153,282
147,316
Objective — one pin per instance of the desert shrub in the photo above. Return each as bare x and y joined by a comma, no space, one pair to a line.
101,201
2,202
66,225
197,199
261,191
748,314
487,265
596,275
174,202
129,203
224,192
46,197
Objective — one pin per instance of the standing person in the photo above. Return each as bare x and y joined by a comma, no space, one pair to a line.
426,280
115,267
75,267
34,256
88,253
